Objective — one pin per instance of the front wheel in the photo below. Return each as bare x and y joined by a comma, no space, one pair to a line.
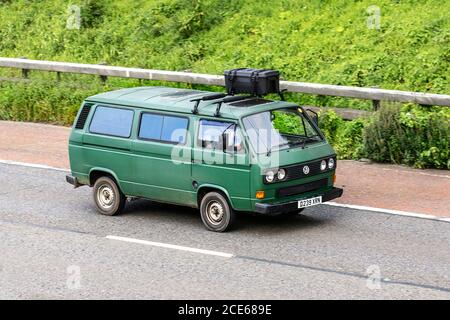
217,215
107,196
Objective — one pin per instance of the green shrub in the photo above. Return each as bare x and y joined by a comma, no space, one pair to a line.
344,136
331,125
410,135
42,102
350,142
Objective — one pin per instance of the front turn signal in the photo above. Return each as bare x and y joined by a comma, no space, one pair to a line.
334,179
260,194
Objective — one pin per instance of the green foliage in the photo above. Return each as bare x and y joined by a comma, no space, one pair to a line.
41,102
350,143
92,13
331,125
288,123
344,136
312,41
413,136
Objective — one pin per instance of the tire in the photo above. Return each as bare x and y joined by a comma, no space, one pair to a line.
108,198
217,215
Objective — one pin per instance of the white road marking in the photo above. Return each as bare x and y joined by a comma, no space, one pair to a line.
389,211
172,246
32,165
350,206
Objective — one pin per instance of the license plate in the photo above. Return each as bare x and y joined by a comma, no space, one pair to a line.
309,202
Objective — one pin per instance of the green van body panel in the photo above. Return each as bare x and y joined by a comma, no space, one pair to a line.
148,169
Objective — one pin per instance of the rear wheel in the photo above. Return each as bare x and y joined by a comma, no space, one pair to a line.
217,215
107,196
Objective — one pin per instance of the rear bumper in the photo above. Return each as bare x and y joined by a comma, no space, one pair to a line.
268,208
73,181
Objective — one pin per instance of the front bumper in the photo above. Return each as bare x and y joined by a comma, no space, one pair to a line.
291,206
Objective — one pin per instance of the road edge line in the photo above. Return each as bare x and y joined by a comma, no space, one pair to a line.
171,246
32,165
388,211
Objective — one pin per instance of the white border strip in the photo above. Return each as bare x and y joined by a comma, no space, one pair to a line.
343,205
172,246
388,211
32,165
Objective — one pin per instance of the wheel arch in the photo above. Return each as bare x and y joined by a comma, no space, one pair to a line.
205,188
98,172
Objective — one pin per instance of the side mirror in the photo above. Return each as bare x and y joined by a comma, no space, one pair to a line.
314,116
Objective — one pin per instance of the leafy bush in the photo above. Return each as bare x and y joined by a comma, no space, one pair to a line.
344,136
412,135
41,102
331,125
350,143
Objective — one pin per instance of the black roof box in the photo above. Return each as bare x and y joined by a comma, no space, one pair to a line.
257,82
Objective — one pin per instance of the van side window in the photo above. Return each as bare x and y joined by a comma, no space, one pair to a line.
163,128
212,133
151,125
112,121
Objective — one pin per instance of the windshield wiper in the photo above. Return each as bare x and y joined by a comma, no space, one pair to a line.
303,141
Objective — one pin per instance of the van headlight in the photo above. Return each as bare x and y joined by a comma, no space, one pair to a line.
270,176
281,174
323,165
331,163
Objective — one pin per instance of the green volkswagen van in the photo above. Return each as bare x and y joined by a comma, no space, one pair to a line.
220,153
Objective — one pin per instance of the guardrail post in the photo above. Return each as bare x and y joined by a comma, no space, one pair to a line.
103,78
58,76
376,104
25,72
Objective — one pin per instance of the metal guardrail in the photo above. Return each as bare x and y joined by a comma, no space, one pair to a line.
105,71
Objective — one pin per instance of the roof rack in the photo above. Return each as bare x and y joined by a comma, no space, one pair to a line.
206,98
226,100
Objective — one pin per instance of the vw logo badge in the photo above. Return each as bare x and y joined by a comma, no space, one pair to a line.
305,169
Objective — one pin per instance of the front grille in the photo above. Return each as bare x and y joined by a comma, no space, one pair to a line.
296,171
301,188
83,116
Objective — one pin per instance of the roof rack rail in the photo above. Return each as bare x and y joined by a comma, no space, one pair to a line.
206,98
226,100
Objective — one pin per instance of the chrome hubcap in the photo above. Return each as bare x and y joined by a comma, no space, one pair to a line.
105,196
214,212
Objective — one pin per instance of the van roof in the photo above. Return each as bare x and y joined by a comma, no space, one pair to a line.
178,100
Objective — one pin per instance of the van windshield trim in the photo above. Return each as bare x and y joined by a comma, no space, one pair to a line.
265,137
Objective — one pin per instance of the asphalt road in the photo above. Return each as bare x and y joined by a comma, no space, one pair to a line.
53,244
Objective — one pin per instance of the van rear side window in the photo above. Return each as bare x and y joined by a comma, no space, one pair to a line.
163,128
112,121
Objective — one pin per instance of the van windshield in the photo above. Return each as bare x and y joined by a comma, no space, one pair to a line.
280,129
